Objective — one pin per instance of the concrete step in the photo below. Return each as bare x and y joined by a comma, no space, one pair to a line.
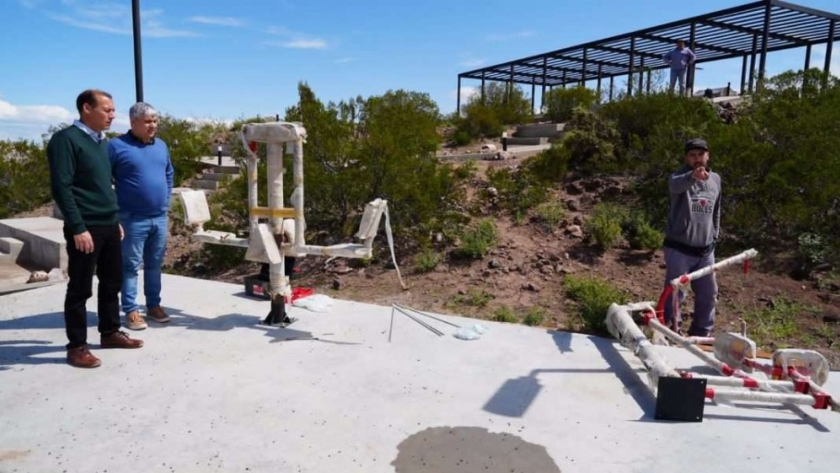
10,249
216,176
226,169
518,141
206,184
43,238
547,130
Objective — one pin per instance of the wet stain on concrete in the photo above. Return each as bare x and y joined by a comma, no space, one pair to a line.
470,450
6,455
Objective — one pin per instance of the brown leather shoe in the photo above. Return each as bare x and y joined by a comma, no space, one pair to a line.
119,339
81,357
158,315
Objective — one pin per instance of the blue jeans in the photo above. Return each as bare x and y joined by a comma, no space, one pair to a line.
144,242
678,75
705,290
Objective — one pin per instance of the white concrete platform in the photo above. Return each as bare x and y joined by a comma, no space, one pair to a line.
43,240
213,391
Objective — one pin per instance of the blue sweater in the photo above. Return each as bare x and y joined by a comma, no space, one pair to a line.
143,175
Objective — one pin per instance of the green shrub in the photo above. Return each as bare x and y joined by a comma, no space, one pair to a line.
24,177
504,314
461,138
426,261
645,237
519,190
551,165
604,226
550,214
534,317
477,241
560,103
593,297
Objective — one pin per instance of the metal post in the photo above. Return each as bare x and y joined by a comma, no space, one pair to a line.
611,87
583,68
458,100
564,79
138,53
641,75
752,62
744,75
807,58
647,86
482,88
765,36
599,81
510,89
542,95
691,68
829,46
632,63
533,92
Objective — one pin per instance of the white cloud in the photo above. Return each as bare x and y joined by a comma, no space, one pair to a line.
472,62
511,36
295,40
345,60
29,3
218,20
299,44
113,18
30,122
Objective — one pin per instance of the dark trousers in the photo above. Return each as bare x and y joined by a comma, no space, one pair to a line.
106,263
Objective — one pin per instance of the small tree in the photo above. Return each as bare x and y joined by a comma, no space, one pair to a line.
560,103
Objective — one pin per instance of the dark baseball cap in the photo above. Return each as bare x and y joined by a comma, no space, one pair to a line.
696,143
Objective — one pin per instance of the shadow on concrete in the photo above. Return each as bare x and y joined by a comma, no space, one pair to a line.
227,322
50,320
515,396
29,352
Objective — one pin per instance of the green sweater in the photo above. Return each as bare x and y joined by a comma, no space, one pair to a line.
80,179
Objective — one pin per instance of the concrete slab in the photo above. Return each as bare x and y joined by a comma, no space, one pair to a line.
43,238
213,391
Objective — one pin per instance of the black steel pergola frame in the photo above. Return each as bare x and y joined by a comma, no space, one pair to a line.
748,31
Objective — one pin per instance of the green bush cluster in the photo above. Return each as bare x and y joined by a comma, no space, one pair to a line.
593,297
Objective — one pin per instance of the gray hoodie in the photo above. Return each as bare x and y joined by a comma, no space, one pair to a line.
694,217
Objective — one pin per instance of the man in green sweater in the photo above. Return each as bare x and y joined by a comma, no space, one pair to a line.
80,179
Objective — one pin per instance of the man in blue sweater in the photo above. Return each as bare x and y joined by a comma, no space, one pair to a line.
680,59
143,175
692,229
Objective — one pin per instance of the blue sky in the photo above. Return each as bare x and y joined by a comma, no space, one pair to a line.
227,59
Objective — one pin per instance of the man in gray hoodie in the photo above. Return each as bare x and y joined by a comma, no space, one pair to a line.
693,227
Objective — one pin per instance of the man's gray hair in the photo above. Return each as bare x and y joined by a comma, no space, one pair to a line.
141,109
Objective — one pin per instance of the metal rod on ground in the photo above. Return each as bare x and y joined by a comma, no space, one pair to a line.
427,315
784,398
391,330
424,324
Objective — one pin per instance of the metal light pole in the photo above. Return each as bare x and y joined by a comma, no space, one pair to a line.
138,55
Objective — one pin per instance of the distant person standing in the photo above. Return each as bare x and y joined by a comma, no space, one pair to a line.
80,180
143,175
680,59
692,229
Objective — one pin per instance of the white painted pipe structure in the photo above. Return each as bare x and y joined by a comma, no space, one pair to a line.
671,290
621,325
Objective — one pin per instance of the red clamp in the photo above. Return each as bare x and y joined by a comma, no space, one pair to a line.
746,266
821,400
252,145
801,386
